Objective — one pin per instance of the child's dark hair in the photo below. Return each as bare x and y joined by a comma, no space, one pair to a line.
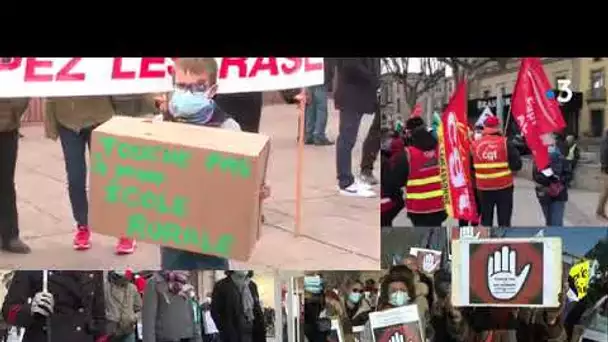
397,274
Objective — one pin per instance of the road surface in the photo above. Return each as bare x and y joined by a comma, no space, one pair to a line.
338,232
580,209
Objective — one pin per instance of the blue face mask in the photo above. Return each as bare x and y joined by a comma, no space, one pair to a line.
399,298
193,107
354,297
313,285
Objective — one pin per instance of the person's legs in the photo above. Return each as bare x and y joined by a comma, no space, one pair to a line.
504,206
486,208
349,129
310,114
175,259
546,208
371,148
386,218
601,205
556,214
320,119
74,145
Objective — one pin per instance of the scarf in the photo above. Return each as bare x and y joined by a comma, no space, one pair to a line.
242,283
177,282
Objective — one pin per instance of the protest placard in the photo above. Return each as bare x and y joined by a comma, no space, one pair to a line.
471,232
429,260
76,76
397,324
507,272
335,335
581,273
188,187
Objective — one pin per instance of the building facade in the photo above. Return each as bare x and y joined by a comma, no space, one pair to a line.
594,117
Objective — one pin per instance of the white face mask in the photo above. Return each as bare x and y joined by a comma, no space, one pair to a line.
477,136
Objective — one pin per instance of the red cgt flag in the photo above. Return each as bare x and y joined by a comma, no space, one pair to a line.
454,156
535,114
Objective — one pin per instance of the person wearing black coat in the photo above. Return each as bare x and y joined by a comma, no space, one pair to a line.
355,95
244,108
236,308
76,311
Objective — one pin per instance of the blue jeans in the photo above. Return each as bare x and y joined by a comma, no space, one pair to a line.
554,213
349,130
176,259
74,145
315,118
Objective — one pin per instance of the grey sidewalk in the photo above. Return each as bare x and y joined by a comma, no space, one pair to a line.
338,232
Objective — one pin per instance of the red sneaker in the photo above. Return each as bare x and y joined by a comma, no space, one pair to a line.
125,246
82,238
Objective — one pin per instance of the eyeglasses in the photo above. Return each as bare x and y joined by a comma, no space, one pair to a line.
192,87
356,290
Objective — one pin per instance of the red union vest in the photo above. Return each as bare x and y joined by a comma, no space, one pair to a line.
423,189
491,163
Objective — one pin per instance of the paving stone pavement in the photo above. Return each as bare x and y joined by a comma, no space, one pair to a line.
338,232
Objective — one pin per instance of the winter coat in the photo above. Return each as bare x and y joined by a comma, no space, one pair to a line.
79,311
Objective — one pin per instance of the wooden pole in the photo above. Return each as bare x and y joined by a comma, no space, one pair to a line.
300,161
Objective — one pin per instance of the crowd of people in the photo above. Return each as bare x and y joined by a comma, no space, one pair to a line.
122,306
407,284
411,177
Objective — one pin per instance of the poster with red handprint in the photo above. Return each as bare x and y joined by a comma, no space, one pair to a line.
507,272
429,260
400,324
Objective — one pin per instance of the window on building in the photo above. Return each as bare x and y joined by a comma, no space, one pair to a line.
398,105
597,79
486,93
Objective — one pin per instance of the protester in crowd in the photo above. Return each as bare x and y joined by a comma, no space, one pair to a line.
601,205
417,167
371,292
356,95
315,118
572,157
494,173
551,189
73,309
72,120
411,262
167,308
399,288
11,111
236,308
392,201
209,328
193,102
123,307
356,306
371,147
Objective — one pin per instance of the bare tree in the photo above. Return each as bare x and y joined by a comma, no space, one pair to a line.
468,68
432,71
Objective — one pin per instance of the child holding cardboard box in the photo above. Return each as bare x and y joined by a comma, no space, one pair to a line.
192,102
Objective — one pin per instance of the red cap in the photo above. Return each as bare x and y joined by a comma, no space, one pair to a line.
491,122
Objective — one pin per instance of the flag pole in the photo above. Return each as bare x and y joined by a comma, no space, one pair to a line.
300,161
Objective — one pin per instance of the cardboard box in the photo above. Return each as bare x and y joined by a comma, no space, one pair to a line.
518,272
188,187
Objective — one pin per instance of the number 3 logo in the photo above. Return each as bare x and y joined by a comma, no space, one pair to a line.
565,93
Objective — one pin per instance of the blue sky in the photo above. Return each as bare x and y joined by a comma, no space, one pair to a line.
575,240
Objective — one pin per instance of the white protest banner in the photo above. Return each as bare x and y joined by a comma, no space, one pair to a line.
429,260
398,324
524,272
75,76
